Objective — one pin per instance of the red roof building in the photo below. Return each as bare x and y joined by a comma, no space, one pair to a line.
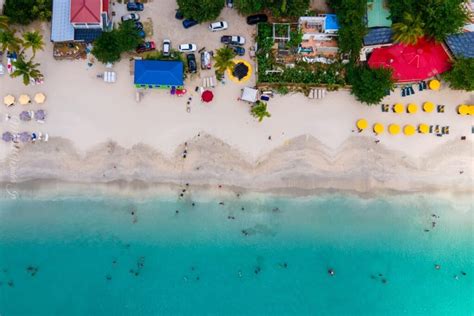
86,11
412,62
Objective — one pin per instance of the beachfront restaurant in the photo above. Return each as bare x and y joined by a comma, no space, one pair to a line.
159,74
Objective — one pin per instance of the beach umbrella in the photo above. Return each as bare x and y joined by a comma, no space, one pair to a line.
9,100
207,96
435,84
423,128
40,98
471,110
428,106
409,130
25,137
25,116
24,99
412,108
362,124
393,129
40,115
463,109
378,128
7,136
398,108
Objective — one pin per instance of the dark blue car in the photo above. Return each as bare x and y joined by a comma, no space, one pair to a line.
135,6
189,23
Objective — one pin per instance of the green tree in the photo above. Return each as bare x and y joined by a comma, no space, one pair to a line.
443,17
352,30
259,110
26,11
201,10
223,59
249,6
9,41
4,25
370,85
26,69
42,9
109,47
33,40
409,30
461,76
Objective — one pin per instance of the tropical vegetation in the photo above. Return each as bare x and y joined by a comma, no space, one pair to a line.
9,41
279,8
370,85
108,48
461,76
201,10
26,11
259,110
4,25
223,60
351,17
33,40
26,69
408,30
439,18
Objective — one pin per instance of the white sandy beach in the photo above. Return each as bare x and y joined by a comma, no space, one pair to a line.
99,133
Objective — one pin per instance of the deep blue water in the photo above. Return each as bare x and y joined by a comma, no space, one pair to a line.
92,259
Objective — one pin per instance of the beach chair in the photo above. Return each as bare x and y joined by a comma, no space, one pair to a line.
440,108
46,137
412,91
431,129
425,86
445,130
403,92
420,86
436,129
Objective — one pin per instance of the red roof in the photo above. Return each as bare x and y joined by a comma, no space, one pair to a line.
85,11
105,5
412,62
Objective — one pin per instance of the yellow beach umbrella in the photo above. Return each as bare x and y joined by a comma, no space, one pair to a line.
393,129
24,99
40,98
423,128
398,108
378,128
412,108
409,130
428,106
362,124
463,109
9,100
435,84
471,110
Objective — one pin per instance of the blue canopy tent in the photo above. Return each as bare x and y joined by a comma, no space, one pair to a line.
158,74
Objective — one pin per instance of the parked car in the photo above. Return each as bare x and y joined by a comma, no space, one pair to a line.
189,23
135,6
166,47
205,60
141,33
187,48
131,16
146,47
238,50
257,18
218,26
138,25
179,15
192,66
233,40
230,3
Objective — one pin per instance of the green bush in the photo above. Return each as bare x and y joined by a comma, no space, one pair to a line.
461,76
259,110
283,8
26,11
201,10
370,85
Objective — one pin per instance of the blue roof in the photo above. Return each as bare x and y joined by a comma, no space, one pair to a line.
87,35
378,36
158,72
331,22
461,45
61,27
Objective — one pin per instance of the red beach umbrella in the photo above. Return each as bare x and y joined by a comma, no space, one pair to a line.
207,96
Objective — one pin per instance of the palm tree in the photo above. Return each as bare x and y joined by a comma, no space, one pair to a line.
259,110
4,23
27,69
9,41
409,30
223,59
33,40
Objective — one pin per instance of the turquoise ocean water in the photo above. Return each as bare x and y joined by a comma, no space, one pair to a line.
78,256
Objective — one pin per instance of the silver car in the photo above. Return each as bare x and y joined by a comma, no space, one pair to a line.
166,47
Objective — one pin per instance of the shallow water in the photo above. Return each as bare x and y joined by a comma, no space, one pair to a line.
91,258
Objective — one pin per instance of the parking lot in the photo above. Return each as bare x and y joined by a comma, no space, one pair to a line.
166,26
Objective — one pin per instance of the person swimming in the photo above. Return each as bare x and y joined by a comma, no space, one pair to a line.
331,272
437,266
